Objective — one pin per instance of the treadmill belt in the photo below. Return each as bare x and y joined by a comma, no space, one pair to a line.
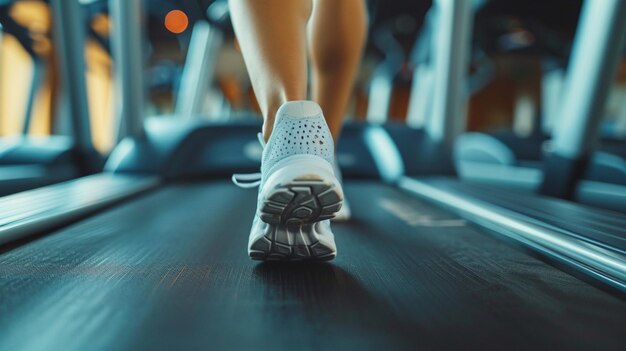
169,270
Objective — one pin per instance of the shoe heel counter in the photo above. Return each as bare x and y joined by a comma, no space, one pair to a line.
300,136
299,109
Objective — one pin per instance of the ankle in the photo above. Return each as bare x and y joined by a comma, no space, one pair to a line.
271,107
268,127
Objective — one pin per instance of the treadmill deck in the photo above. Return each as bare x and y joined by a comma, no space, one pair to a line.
169,270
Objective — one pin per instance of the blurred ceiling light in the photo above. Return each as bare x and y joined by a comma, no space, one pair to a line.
176,21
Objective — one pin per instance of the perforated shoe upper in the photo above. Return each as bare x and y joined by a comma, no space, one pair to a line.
299,128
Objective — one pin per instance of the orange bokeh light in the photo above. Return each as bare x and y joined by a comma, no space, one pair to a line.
176,21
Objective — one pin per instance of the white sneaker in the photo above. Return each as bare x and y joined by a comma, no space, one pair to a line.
344,213
299,192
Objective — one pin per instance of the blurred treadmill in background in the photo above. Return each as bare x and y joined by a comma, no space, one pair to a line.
28,162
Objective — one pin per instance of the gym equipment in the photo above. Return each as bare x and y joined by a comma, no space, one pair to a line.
555,167
28,162
167,269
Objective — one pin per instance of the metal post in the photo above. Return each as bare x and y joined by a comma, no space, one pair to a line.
420,99
594,59
69,36
551,93
199,70
451,47
127,47
35,82
381,89
381,85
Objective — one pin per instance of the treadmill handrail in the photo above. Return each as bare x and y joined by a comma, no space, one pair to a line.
34,211
606,266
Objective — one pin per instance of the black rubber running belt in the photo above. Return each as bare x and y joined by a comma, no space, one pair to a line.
170,271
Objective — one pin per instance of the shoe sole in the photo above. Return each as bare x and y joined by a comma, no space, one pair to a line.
292,210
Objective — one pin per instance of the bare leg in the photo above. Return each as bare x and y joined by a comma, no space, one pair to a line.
272,37
336,38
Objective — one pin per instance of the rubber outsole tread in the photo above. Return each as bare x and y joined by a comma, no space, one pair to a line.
301,202
291,211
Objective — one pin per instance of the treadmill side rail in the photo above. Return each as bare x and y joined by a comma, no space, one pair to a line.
42,209
600,263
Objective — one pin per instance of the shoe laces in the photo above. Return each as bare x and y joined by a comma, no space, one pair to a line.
249,180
